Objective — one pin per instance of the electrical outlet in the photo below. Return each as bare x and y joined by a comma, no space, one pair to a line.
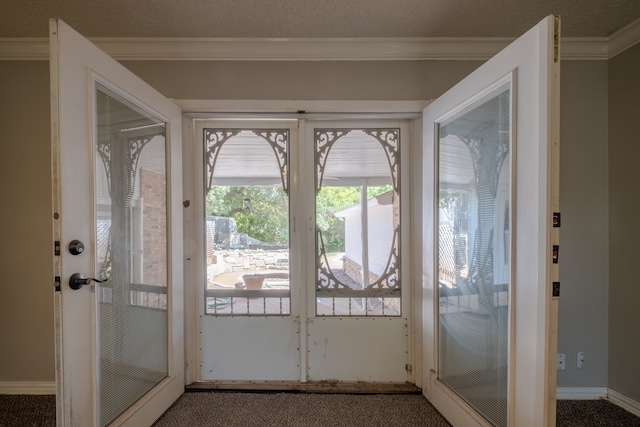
580,359
561,362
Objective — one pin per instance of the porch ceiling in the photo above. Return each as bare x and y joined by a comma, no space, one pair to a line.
247,159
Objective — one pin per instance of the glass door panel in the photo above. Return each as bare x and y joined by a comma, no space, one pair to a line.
357,222
474,253
247,222
131,253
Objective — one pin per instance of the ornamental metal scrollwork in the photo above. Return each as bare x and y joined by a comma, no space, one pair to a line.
481,151
390,279
126,188
214,139
134,150
104,151
390,141
325,279
488,145
324,140
278,140
135,145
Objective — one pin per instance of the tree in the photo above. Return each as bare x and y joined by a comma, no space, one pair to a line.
268,217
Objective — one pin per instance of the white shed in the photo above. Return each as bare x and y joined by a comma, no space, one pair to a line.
381,218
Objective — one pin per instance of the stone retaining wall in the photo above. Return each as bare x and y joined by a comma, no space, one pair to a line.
229,261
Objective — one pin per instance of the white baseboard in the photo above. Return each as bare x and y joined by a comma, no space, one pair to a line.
624,402
27,387
592,393
581,393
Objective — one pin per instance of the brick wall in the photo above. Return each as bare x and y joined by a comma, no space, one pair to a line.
354,271
154,225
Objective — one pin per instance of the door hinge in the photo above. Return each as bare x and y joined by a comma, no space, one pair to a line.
56,281
555,292
556,253
408,367
56,248
556,39
556,219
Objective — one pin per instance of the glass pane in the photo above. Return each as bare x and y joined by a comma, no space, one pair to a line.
357,221
131,253
474,253
247,222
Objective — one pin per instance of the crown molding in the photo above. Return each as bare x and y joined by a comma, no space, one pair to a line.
331,49
327,49
16,49
241,49
584,48
624,39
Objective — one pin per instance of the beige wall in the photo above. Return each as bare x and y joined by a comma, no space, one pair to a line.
25,182
584,260
624,226
362,80
26,268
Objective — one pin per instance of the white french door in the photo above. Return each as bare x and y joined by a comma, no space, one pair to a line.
490,293
311,209
117,221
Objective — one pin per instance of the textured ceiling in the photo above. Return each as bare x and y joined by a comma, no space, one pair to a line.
314,18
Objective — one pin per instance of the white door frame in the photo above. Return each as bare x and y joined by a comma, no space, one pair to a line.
309,110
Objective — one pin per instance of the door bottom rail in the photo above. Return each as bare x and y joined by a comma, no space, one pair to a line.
308,387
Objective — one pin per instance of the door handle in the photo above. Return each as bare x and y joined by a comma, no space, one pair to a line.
77,280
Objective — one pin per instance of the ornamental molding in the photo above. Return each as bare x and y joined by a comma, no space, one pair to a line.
321,49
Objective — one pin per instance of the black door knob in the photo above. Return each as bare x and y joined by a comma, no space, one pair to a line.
77,280
76,247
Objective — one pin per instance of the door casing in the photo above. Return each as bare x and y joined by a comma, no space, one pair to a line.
408,111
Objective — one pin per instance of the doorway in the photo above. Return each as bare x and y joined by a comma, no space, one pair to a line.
297,248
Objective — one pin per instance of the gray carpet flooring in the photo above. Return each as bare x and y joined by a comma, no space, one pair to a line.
301,409
306,409
27,411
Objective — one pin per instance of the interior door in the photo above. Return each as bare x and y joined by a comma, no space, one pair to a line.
491,279
117,220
